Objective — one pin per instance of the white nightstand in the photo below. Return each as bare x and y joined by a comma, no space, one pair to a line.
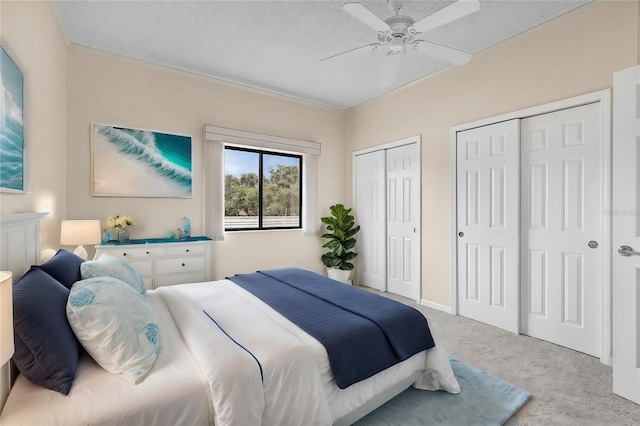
162,261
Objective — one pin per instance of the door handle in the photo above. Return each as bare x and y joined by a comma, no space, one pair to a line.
627,251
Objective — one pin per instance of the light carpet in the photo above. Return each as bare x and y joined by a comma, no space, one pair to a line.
483,400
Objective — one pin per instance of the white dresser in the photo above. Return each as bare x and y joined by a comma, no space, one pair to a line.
164,262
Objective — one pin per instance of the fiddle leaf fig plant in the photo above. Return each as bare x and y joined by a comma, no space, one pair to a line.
341,231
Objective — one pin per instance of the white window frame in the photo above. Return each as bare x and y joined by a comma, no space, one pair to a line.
215,138
260,173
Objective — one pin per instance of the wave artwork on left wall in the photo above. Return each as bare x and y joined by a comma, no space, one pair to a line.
11,125
140,163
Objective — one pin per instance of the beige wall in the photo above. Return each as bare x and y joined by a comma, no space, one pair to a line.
108,89
30,36
576,54
638,33
573,55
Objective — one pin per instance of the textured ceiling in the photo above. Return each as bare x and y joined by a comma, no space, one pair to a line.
277,45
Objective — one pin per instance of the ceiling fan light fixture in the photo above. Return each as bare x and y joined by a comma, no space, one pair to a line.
397,44
399,30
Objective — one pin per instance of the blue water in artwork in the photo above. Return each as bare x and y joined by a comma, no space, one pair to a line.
168,157
174,149
11,125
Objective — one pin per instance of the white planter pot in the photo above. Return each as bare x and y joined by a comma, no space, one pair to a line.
339,275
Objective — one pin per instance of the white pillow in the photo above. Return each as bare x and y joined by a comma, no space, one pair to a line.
110,266
115,325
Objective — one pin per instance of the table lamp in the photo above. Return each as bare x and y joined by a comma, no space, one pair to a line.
80,232
6,333
6,317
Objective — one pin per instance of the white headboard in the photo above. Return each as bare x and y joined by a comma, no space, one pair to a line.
19,249
19,242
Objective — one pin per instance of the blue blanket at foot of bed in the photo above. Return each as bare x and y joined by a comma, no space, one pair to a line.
362,332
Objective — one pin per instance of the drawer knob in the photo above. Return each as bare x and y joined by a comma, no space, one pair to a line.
187,250
183,264
147,252
124,254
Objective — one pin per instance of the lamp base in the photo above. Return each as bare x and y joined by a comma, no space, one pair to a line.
5,383
81,252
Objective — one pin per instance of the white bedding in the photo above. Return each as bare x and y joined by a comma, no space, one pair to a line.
203,377
174,392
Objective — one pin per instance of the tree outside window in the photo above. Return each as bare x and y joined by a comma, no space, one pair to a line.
262,189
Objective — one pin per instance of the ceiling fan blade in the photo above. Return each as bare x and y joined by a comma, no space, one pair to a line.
445,53
445,15
368,17
374,46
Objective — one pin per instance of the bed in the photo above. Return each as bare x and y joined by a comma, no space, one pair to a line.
226,357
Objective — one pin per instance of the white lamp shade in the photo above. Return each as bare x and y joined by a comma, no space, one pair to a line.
6,317
78,232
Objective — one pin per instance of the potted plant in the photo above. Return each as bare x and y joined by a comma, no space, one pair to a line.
341,234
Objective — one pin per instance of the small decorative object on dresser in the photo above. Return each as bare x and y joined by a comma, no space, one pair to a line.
185,228
120,225
164,261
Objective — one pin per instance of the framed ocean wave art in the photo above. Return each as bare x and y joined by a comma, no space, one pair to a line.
140,163
11,126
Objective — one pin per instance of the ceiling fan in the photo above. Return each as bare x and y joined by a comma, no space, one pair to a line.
399,31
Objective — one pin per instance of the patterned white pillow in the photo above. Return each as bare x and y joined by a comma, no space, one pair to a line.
116,326
110,266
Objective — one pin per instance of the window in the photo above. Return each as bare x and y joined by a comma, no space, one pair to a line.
216,138
262,189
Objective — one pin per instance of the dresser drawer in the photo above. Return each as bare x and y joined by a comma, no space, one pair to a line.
161,263
126,253
144,267
180,265
179,279
192,250
148,283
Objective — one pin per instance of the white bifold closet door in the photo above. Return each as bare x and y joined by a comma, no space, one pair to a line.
387,201
529,221
561,235
487,198
370,208
403,221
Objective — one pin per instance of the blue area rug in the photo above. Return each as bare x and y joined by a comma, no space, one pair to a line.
483,400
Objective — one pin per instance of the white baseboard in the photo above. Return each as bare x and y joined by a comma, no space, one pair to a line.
436,306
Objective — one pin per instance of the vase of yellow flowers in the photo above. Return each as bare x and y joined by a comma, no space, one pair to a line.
121,224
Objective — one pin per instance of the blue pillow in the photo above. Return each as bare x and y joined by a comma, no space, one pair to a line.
46,350
64,266
110,266
116,326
